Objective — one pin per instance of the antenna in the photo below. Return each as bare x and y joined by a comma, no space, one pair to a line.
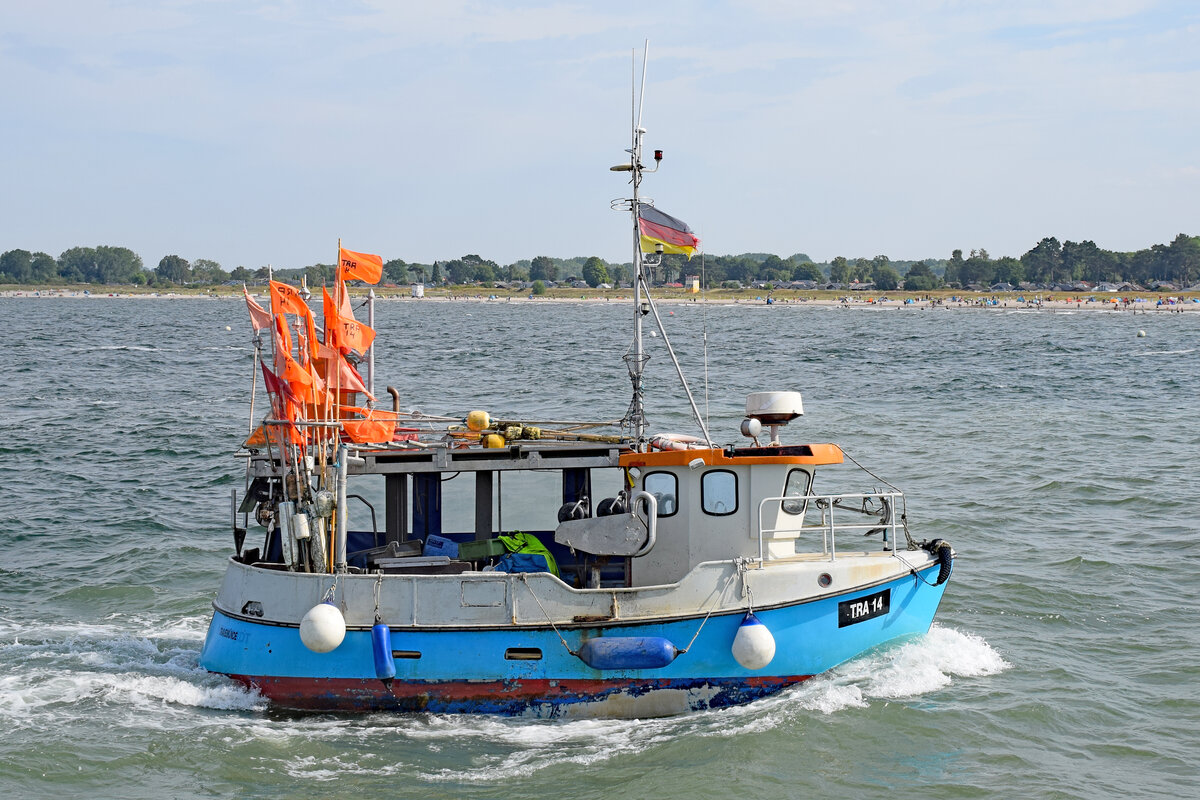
633,95
642,94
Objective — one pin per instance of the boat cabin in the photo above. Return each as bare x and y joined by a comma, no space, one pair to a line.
443,510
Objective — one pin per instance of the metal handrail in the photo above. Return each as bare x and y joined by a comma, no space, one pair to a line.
828,528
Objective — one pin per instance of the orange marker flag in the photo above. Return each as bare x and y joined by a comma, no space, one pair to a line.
359,266
298,378
282,341
286,299
283,405
379,426
342,331
360,339
350,380
260,318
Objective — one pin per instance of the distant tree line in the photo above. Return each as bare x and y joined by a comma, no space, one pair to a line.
1051,262
114,265
1048,262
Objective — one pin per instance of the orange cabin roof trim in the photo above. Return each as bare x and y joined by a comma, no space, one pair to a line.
816,455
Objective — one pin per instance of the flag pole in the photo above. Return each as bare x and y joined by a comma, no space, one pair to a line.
371,349
637,409
335,363
336,520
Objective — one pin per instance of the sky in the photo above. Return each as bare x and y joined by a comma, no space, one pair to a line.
255,132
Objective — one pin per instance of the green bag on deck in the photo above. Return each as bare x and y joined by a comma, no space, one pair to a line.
521,542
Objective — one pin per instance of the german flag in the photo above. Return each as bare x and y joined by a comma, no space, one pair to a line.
658,228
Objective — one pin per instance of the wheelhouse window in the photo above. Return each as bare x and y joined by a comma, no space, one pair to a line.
665,488
797,485
718,492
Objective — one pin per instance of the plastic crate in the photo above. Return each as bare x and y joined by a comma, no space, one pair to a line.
440,546
478,551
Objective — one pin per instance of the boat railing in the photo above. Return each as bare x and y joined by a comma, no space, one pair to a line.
859,514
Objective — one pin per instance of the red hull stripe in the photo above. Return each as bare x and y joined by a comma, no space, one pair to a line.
496,697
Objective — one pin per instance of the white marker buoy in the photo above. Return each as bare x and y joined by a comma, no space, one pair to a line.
1141,334
322,628
228,328
753,645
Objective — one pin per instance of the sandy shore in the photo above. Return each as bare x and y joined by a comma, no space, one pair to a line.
1137,304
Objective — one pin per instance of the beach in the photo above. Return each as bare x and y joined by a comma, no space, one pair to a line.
1139,303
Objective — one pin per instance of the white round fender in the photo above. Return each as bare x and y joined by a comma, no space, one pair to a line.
322,628
753,645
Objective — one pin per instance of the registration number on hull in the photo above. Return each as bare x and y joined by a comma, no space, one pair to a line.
863,608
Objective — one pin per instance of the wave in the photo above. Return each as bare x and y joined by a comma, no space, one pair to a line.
917,667
1165,353
58,666
47,691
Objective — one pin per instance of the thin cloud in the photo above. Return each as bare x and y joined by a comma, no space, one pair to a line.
851,126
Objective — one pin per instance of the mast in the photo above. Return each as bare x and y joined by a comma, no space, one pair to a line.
643,304
637,357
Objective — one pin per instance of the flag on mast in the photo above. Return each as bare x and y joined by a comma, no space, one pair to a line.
260,318
359,266
657,228
286,299
342,331
284,404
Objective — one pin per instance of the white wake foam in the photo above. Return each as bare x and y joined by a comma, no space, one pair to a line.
156,682
52,666
922,665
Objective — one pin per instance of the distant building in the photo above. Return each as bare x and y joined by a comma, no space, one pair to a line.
418,290
692,283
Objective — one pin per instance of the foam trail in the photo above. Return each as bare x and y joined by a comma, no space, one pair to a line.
916,667
919,666
70,664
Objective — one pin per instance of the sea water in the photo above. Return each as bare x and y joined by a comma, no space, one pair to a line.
1056,452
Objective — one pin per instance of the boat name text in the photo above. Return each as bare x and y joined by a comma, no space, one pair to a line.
863,608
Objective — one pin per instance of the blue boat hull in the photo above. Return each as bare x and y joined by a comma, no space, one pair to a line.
529,671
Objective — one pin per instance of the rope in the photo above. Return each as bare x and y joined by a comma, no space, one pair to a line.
747,592
740,571
872,474
376,591
914,572
904,511
254,381
525,580
331,593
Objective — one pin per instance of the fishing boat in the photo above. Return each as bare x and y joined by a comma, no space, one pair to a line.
547,568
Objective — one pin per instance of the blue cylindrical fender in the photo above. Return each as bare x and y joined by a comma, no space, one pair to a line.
381,646
628,652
